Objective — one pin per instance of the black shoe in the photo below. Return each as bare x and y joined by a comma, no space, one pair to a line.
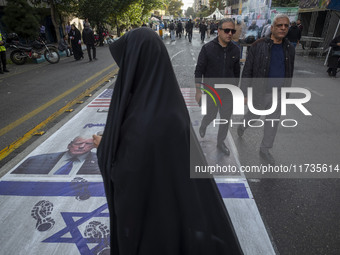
240,131
90,60
1,72
202,131
6,70
95,58
267,157
222,147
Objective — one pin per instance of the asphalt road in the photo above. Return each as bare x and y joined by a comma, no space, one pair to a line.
31,93
301,214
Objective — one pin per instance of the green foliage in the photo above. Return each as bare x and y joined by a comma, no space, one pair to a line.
149,5
220,4
97,11
131,17
205,11
190,12
174,8
19,17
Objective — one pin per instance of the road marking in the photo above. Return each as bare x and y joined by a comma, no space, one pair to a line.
9,149
51,102
305,72
176,54
314,92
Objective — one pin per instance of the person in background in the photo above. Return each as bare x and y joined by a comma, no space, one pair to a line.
203,30
68,30
161,29
42,32
64,46
300,26
3,55
333,60
88,39
75,38
208,29
266,29
189,27
294,34
172,31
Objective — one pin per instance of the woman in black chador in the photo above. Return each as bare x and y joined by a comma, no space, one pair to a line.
75,38
144,157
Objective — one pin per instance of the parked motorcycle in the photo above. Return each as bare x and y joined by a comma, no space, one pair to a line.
107,38
20,52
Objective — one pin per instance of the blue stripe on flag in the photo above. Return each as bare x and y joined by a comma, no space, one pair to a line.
233,190
94,189
61,189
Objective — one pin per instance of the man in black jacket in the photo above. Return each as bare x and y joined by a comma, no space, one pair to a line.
203,30
269,64
218,60
294,34
88,39
189,27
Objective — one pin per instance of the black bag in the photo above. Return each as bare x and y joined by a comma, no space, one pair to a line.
250,39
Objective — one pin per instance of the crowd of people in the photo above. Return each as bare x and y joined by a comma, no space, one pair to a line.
72,40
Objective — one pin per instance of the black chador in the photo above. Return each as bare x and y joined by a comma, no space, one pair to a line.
144,156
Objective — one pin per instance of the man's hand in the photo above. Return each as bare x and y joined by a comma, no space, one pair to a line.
96,140
198,95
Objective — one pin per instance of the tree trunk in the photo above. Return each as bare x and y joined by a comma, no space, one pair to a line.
118,30
56,26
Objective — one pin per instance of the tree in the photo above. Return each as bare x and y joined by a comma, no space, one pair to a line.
132,17
220,4
96,11
19,17
175,8
203,12
149,5
57,7
190,12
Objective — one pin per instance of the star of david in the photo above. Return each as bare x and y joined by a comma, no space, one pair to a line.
76,236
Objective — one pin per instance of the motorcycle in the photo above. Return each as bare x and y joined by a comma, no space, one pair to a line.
20,52
107,38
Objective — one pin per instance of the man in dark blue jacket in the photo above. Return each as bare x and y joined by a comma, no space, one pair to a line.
269,64
218,61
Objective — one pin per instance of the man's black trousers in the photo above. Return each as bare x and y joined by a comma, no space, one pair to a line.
89,47
225,110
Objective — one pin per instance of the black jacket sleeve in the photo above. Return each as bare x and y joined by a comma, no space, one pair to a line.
247,73
201,65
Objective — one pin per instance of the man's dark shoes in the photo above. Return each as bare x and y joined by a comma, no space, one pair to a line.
1,71
6,70
202,131
222,147
267,157
240,131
